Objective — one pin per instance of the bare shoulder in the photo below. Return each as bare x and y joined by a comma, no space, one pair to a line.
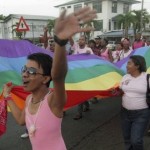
27,98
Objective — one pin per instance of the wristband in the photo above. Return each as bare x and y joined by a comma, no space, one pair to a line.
8,97
59,41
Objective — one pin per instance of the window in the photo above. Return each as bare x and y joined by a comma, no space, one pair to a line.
62,8
125,8
9,29
114,7
115,25
30,27
77,7
98,25
109,24
5,30
97,6
68,6
41,27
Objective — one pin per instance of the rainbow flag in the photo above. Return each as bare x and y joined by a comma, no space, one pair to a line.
143,51
88,75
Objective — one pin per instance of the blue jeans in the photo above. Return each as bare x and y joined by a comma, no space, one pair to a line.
134,124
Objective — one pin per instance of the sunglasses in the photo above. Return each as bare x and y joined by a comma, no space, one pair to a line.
30,70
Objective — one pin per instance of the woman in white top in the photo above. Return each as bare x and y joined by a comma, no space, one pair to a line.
126,50
117,52
135,112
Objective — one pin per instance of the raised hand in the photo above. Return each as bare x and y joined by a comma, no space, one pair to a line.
7,89
67,26
45,29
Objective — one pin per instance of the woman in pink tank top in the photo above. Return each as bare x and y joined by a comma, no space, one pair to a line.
43,110
105,52
138,42
47,124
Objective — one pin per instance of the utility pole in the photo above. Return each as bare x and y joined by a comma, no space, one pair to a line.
141,23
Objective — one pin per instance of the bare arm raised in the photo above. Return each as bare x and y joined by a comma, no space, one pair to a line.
18,114
66,27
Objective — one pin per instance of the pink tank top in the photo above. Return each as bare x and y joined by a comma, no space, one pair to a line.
48,134
138,44
105,55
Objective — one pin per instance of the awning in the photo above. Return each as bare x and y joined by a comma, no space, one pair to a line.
116,33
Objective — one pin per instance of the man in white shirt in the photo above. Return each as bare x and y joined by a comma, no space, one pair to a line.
80,47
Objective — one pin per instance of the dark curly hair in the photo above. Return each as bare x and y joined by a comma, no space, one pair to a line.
139,61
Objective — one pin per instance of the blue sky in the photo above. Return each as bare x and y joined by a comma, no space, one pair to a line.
41,7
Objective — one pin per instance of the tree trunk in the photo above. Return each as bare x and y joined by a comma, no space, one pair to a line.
126,32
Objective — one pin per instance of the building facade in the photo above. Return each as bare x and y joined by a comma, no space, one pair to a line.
1,29
35,23
106,11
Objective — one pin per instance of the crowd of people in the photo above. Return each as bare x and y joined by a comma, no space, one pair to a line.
43,110
100,47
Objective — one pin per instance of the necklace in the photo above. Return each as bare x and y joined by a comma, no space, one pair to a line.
33,128
33,102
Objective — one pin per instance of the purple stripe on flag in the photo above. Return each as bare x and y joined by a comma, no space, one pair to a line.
18,48
83,57
123,61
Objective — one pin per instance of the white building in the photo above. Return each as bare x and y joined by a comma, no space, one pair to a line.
106,11
1,29
36,25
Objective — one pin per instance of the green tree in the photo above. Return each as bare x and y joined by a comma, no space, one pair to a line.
2,17
18,34
98,25
124,21
95,24
50,26
137,20
88,34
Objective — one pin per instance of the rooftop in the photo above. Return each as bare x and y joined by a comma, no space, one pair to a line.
29,17
89,1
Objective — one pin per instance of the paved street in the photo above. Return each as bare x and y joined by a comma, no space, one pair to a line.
98,130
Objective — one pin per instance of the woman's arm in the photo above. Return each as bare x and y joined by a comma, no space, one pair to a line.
18,114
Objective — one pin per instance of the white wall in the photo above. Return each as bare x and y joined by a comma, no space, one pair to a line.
1,29
106,14
70,10
36,28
